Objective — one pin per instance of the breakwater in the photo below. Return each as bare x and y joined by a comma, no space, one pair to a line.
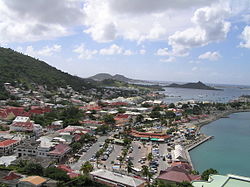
193,146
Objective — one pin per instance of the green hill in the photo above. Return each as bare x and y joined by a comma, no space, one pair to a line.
24,69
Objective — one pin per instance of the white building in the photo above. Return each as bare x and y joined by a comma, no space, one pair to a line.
179,154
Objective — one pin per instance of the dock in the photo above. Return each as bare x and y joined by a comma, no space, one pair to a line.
193,146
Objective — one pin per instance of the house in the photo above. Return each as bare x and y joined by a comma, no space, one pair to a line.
9,178
36,181
176,174
223,181
7,146
60,151
69,171
23,124
113,179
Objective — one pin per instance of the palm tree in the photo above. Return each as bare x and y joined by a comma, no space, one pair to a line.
129,166
86,168
150,157
145,171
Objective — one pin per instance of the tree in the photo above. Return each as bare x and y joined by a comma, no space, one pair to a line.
109,119
206,173
33,169
129,166
56,174
150,156
145,171
139,118
155,114
196,110
76,146
184,184
86,168
171,105
170,114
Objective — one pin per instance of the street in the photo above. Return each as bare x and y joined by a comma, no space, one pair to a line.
92,151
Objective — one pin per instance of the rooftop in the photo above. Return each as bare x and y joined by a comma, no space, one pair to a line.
6,143
36,180
116,177
223,181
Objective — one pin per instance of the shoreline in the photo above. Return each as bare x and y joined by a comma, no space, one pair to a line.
200,124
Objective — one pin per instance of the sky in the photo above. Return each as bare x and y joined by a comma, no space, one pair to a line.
180,40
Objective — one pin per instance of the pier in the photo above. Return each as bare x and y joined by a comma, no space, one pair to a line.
193,146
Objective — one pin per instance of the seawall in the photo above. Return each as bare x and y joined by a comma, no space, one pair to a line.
194,146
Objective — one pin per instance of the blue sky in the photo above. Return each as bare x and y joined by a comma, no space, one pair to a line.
166,40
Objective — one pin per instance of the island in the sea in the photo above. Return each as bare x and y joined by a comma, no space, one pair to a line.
198,85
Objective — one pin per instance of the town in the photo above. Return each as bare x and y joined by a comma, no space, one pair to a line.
109,137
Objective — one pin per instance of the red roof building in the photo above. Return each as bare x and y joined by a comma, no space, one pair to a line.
149,135
7,146
22,126
60,151
12,176
69,171
177,174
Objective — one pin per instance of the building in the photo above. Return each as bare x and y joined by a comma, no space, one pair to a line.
223,181
60,151
9,178
23,124
27,148
113,179
36,181
150,136
8,146
179,154
177,174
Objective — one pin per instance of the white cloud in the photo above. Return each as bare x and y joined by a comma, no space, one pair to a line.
149,6
210,26
112,50
162,52
108,19
84,53
43,52
128,52
195,68
212,56
245,35
170,59
37,20
142,51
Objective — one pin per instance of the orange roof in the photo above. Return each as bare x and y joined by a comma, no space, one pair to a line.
36,180
6,143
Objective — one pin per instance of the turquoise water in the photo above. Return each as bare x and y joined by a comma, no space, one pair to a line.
229,151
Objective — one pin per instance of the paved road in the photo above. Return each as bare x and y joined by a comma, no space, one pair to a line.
112,157
92,151
163,151
137,153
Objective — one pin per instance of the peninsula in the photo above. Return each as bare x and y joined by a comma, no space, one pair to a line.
198,85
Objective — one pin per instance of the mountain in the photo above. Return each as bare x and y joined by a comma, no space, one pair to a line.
198,85
15,66
103,76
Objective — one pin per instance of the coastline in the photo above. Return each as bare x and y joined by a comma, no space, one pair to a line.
204,138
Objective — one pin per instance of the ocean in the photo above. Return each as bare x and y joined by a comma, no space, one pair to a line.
229,151
228,93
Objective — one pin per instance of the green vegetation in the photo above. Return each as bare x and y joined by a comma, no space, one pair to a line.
15,66
206,173
56,174
86,168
